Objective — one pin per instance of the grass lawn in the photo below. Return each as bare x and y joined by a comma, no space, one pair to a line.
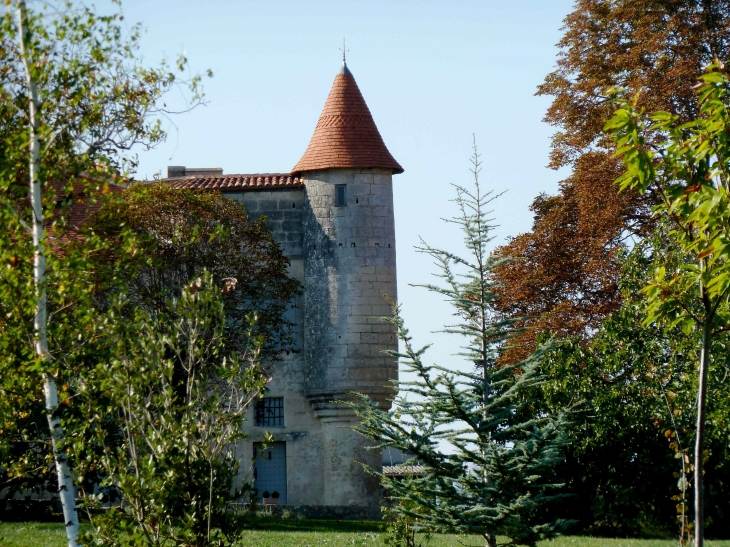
303,533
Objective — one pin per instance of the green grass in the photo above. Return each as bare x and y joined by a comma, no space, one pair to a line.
31,534
309,533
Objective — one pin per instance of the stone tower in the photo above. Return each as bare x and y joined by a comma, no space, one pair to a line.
349,264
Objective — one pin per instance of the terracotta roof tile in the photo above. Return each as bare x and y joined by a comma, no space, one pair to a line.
236,183
403,469
346,135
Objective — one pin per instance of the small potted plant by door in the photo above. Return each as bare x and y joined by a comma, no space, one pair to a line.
272,498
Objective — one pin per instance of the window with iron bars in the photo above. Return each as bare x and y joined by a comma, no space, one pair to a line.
269,412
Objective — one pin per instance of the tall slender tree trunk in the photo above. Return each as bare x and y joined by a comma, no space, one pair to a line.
700,429
40,322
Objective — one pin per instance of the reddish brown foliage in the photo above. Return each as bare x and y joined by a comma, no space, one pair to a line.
566,269
657,47
179,233
565,274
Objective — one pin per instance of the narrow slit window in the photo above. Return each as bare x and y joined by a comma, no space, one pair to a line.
269,412
340,195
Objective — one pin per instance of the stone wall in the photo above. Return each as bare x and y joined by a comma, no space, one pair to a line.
302,430
345,258
283,210
302,433
349,263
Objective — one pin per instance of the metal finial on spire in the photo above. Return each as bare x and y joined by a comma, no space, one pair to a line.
344,69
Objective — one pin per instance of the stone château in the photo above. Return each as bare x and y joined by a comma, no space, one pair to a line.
333,217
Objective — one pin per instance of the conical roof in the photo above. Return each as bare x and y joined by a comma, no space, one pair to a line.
346,135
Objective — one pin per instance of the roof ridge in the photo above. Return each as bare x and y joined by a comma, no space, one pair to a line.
238,182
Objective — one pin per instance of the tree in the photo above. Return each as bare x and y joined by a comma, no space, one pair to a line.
75,100
24,439
173,460
628,465
179,233
564,274
495,477
567,267
689,171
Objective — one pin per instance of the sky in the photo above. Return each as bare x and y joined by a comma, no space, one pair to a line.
435,74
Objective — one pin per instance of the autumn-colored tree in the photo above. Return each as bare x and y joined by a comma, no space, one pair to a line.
565,274
179,233
567,268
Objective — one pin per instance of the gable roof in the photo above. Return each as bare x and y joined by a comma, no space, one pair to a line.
346,135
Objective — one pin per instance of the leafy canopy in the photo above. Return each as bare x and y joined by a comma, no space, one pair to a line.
567,267
178,234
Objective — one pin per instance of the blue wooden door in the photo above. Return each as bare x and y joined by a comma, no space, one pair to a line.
270,470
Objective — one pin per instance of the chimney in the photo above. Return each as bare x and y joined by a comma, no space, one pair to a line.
178,171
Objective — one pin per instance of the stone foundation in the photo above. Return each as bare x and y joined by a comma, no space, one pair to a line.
318,512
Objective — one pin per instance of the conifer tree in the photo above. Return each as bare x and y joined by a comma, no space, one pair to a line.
487,456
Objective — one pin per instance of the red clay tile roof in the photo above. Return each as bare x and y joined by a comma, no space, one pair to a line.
235,183
346,135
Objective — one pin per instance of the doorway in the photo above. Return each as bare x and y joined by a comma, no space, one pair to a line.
270,471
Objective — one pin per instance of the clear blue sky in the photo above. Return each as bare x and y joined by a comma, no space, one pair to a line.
433,73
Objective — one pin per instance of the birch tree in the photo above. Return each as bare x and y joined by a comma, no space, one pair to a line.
75,102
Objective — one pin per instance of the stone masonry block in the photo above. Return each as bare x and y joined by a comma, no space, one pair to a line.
385,286
381,211
362,310
368,375
373,222
360,350
361,232
381,309
357,320
358,189
364,178
381,189
380,199
385,339
368,338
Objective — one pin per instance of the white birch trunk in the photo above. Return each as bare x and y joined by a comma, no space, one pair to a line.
65,479
702,374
